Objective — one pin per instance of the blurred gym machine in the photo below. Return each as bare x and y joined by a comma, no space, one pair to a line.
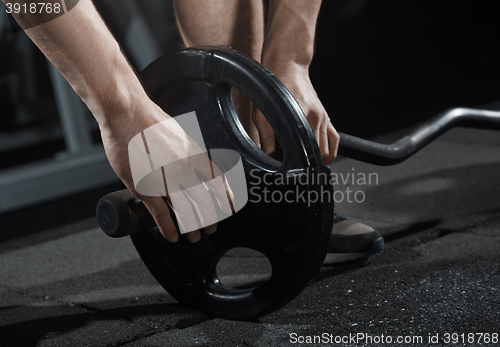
82,165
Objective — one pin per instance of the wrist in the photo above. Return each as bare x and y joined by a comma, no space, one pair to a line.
290,31
286,69
278,51
112,97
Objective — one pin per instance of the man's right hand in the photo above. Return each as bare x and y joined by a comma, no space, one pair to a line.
175,146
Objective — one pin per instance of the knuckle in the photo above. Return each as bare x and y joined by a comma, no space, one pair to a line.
334,139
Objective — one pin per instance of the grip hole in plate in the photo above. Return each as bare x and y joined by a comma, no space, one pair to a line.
244,108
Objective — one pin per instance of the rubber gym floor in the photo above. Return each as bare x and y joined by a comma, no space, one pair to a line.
439,273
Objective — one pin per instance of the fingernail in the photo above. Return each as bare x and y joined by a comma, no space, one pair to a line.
195,239
211,230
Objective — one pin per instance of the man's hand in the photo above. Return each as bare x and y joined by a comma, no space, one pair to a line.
173,145
287,52
296,79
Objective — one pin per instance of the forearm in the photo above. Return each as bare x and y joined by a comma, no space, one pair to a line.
81,47
290,31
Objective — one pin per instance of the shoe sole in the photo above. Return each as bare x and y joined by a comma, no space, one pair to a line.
343,258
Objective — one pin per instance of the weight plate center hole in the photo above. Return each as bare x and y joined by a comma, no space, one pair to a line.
246,110
243,268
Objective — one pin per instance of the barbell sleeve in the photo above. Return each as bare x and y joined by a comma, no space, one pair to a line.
121,214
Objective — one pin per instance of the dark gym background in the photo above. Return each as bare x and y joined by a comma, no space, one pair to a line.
383,65
380,66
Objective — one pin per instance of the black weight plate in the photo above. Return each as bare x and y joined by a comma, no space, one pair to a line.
294,236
